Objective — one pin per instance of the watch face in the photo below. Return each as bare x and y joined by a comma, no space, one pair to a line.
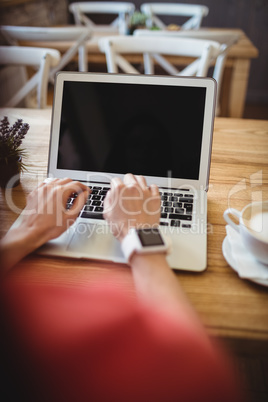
150,237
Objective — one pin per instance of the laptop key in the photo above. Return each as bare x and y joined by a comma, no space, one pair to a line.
188,208
163,223
180,217
88,208
168,194
98,209
179,211
176,223
91,215
177,204
96,203
167,204
190,200
168,209
96,197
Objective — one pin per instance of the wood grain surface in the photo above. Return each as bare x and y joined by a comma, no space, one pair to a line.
228,306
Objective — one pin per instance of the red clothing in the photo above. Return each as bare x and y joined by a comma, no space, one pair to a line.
98,344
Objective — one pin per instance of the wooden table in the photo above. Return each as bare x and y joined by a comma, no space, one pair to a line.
236,73
229,307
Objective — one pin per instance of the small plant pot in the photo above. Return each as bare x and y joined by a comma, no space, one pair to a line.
10,172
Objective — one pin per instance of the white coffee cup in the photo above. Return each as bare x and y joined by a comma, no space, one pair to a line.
253,228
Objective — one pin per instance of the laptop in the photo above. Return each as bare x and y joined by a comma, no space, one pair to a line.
106,125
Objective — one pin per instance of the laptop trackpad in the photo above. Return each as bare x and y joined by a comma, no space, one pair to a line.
91,240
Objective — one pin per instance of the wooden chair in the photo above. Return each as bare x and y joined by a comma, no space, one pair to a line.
41,58
151,48
123,10
195,12
76,36
226,39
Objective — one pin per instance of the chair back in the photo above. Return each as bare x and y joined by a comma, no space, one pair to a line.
195,12
75,37
226,39
154,48
123,10
41,58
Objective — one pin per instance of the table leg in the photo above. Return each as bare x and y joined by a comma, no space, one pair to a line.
238,87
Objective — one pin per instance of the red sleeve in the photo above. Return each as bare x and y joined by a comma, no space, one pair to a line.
98,344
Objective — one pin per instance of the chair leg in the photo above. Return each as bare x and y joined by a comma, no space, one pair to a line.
24,91
82,59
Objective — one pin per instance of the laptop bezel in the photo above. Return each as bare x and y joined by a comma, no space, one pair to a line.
89,177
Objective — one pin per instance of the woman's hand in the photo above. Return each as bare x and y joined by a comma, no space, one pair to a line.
45,213
131,204
45,217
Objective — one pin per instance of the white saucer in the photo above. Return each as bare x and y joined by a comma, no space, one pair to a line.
227,253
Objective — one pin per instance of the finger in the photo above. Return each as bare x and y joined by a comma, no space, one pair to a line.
107,205
116,182
107,200
129,178
154,189
75,187
113,193
41,184
78,204
64,181
142,182
47,181
54,180
82,186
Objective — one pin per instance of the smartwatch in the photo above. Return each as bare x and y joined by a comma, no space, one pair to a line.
144,241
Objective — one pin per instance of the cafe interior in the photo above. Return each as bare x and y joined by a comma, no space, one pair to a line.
40,38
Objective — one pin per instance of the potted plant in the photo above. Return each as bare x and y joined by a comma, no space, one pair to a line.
137,21
11,153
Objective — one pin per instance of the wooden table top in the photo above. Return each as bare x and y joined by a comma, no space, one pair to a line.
228,306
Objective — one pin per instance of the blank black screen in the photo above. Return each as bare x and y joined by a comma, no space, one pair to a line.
153,130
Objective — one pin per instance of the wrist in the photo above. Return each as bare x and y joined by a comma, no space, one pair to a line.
145,259
22,240
15,245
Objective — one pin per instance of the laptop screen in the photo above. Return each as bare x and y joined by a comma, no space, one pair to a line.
152,130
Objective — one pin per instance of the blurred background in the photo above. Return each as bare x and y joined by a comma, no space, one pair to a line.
249,15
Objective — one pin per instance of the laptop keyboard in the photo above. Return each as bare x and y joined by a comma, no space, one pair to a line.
93,208
176,207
